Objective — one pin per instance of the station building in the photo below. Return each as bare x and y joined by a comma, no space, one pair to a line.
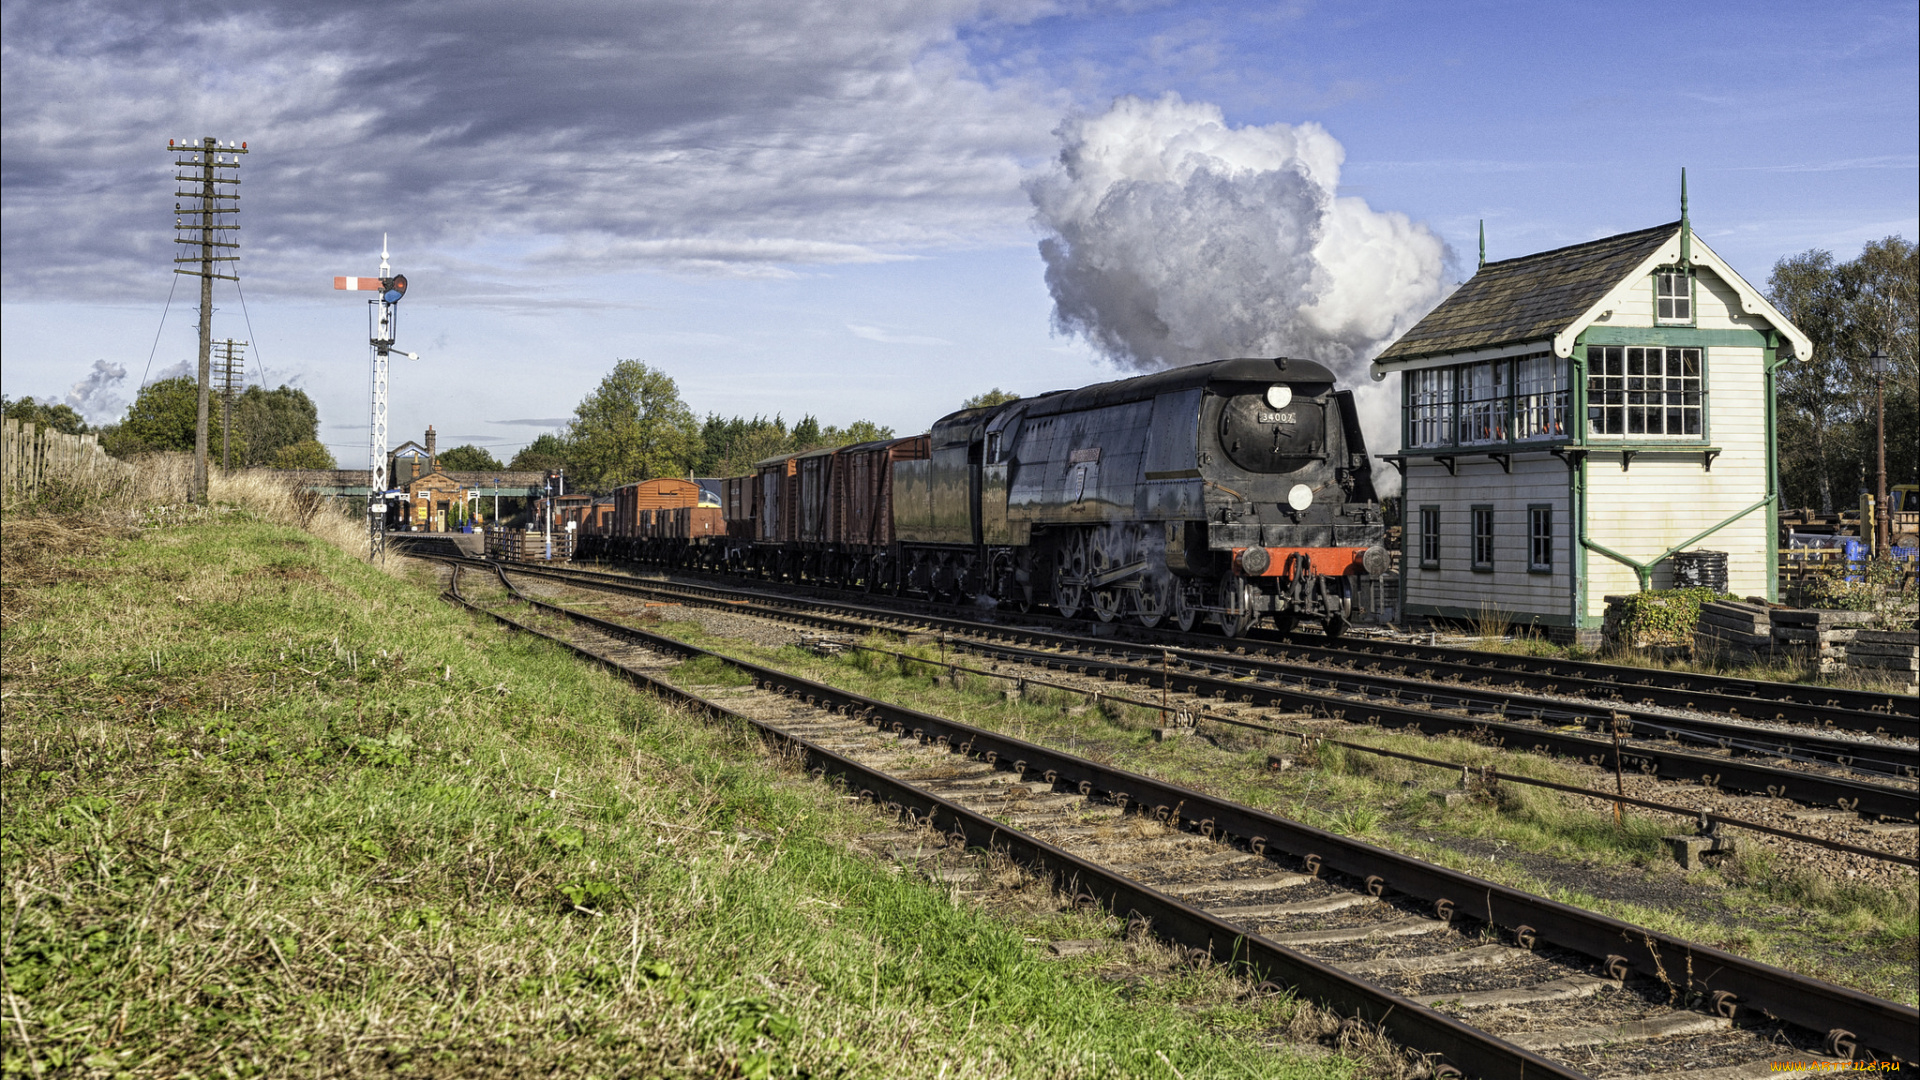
1572,419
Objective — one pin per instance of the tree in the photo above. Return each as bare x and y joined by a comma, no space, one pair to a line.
632,427
730,447
1827,430
57,416
995,396
469,458
307,454
544,454
857,432
267,421
160,419
806,434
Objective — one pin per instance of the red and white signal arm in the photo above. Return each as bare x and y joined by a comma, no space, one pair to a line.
357,284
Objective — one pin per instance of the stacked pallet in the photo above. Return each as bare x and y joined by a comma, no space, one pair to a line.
1733,630
1820,636
1896,652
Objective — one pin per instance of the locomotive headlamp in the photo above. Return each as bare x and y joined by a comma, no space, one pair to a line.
1279,396
1300,497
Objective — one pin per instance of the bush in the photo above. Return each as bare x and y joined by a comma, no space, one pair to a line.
1659,617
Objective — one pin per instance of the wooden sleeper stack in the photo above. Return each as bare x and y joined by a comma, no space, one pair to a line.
1736,631
1896,652
1821,636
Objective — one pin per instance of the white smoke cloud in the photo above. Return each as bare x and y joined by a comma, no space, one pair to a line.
97,397
1172,238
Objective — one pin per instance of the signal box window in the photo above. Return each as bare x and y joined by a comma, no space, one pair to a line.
1673,290
1483,538
1644,391
1429,538
1540,539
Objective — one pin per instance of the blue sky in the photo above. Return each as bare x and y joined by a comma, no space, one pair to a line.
830,208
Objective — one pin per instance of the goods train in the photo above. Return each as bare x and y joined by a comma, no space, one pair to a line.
1224,493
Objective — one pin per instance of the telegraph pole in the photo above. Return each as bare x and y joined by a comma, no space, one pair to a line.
384,313
229,373
205,175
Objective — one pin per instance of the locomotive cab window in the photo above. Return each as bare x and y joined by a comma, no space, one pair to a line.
1263,439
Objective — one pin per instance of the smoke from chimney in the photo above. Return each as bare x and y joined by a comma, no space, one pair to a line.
1171,238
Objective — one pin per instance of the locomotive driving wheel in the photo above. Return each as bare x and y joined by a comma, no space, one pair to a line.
1185,605
1235,594
1106,600
1070,576
1155,599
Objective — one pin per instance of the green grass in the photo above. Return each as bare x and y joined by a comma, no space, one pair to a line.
270,811
1862,934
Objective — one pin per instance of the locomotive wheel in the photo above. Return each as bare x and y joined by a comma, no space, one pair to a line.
1335,626
1285,623
1156,596
1185,597
1069,576
1234,593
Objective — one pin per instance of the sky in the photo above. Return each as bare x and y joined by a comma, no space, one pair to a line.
875,210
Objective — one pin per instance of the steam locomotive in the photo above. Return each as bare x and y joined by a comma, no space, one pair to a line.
1223,493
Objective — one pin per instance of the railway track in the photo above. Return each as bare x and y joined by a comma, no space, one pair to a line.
1484,979
1818,769
1867,712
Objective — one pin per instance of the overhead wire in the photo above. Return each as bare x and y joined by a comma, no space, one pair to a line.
157,330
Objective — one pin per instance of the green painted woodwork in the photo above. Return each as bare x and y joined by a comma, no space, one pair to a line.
1677,336
1577,481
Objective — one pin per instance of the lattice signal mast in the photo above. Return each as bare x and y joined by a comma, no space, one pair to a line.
383,317
205,175
229,378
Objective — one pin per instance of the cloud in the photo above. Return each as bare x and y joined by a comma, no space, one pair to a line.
1171,238
741,137
887,337
551,421
97,397
184,369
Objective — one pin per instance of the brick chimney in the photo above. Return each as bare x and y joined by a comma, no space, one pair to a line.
433,459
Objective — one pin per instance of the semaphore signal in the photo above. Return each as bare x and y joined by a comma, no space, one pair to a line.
391,288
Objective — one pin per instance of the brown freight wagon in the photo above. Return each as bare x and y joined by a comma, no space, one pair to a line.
860,498
659,493
736,505
774,513
813,477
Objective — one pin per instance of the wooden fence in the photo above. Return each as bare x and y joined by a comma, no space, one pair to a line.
33,460
520,546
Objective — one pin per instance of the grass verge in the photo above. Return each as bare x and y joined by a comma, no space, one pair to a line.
268,811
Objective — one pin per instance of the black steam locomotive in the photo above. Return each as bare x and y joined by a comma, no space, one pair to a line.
1220,492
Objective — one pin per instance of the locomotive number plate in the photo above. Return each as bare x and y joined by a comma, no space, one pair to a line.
1276,418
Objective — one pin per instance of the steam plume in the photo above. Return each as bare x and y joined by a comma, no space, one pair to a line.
1171,238
97,397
